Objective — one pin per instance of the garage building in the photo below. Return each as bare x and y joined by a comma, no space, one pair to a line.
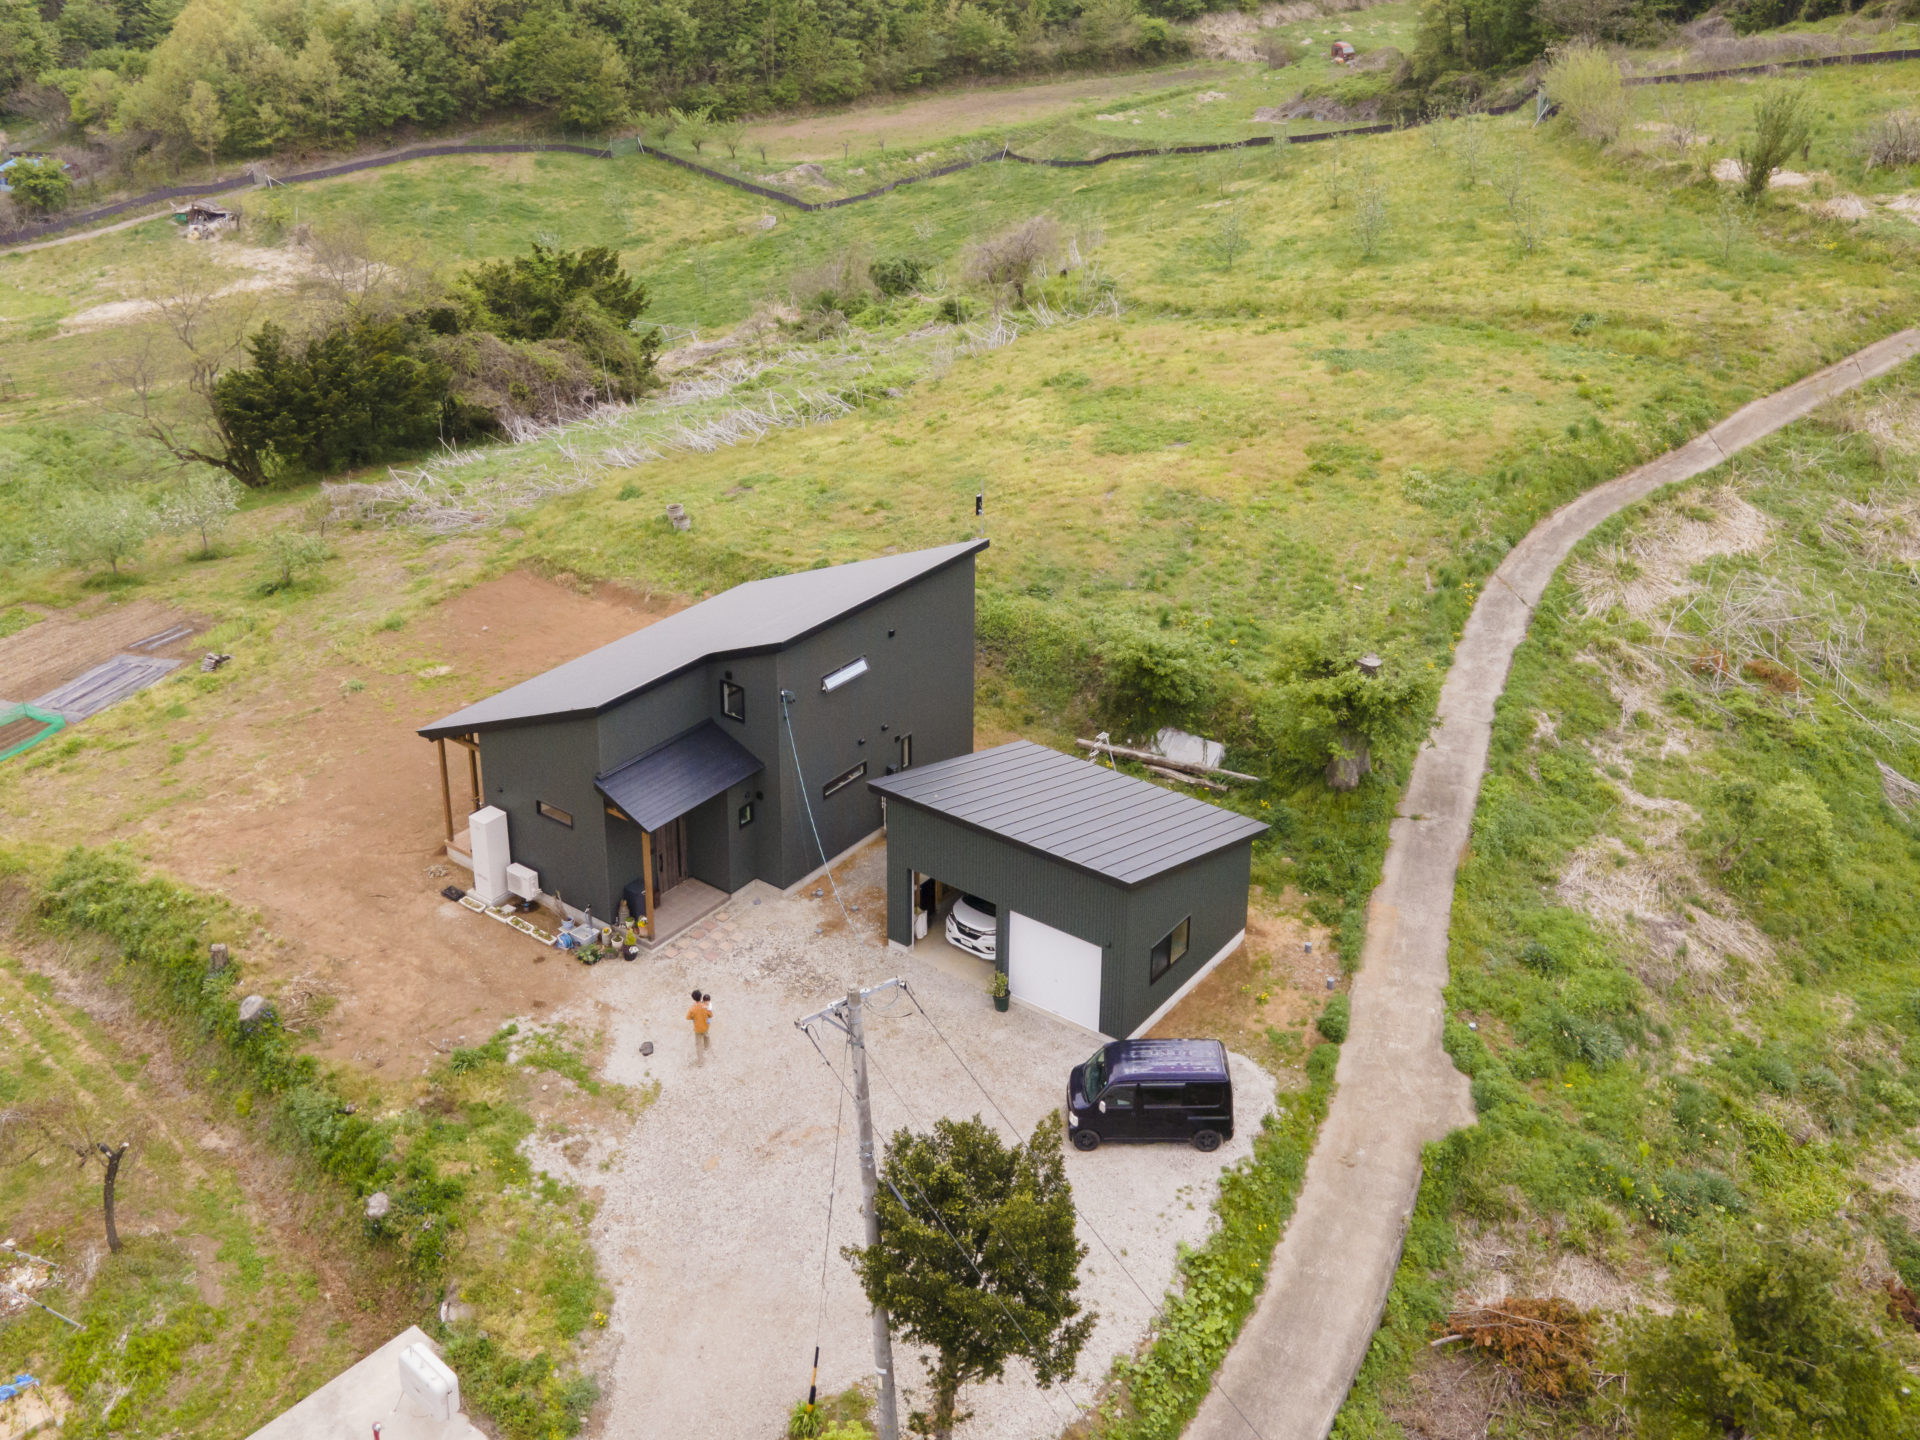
1113,896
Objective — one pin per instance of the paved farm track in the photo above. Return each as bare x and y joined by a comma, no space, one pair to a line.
1398,1090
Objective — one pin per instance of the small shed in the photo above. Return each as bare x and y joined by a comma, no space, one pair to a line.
1113,896
203,216
1343,52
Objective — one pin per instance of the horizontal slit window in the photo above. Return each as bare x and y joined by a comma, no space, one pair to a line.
842,780
853,670
554,812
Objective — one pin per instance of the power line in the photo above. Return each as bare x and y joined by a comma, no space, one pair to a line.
1153,1304
965,1253
806,801
939,1220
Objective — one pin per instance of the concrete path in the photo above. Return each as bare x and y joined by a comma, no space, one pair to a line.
1295,1360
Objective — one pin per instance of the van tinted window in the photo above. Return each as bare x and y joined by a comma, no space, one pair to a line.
1207,1097
1163,1097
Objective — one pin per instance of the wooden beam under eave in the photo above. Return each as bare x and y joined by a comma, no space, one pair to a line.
646,877
473,771
446,788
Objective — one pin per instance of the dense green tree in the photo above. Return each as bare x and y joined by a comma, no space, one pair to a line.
978,1259
1773,1341
40,184
1329,711
28,44
355,393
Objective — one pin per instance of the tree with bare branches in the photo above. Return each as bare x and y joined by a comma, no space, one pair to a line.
199,330
1011,260
54,1125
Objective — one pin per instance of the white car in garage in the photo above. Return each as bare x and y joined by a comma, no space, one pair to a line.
974,925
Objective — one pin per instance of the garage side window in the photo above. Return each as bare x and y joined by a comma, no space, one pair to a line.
554,813
733,700
843,780
1170,951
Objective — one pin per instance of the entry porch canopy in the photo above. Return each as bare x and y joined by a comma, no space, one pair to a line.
659,786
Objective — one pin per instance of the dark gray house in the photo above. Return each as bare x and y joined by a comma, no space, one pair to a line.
1113,896
666,769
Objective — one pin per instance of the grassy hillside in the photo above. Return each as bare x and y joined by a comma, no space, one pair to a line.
1682,949
1263,406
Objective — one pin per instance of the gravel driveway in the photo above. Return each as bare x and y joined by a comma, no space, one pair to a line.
713,1222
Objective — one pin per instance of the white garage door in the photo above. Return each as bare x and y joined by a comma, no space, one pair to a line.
1054,970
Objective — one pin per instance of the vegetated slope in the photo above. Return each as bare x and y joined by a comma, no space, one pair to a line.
1683,978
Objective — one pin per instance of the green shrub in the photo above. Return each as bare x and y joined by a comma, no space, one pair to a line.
1584,81
900,275
1782,124
40,184
1333,1020
1148,679
1774,1339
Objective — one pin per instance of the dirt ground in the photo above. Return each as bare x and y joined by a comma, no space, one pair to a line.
325,818
69,643
1277,980
713,1215
905,122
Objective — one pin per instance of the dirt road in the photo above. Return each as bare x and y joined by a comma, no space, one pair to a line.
1294,1362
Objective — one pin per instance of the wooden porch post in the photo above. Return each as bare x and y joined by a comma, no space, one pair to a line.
473,769
646,875
446,789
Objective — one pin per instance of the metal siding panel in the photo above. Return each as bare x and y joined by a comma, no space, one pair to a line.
554,763
1214,892
919,682
1015,879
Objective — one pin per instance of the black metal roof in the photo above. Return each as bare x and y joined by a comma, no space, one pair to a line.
672,778
758,616
1073,810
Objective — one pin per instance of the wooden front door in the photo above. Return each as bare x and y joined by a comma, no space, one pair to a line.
669,856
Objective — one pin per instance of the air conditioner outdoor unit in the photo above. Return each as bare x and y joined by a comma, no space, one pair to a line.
524,881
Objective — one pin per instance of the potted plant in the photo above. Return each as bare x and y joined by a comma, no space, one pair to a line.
1000,991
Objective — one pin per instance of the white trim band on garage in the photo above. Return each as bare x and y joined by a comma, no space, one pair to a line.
1192,980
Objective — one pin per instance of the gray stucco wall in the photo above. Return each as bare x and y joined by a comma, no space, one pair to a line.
1126,924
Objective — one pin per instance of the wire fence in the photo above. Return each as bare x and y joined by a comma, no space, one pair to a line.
630,145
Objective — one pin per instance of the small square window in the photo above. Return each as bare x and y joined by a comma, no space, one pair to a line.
1170,951
843,780
733,701
746,815
554,812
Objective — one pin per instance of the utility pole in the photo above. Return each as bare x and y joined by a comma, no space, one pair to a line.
845,1015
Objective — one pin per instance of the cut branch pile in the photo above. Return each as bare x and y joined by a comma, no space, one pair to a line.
1547,1343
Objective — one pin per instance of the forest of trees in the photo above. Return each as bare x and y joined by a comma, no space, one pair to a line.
235,77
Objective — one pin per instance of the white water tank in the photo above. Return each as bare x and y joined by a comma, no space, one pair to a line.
487,829
427,1386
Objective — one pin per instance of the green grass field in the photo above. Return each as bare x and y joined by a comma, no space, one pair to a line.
1684,938
1267,391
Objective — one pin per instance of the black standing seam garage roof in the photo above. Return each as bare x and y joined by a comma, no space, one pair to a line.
1086,815
671,779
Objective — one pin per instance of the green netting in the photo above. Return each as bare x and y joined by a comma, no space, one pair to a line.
51,724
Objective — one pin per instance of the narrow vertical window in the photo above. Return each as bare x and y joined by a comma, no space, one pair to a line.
733,701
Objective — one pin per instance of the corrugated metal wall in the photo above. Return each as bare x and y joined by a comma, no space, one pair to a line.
1125,924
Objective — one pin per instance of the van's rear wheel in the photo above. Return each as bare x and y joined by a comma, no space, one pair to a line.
1206,1141
1085,1139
